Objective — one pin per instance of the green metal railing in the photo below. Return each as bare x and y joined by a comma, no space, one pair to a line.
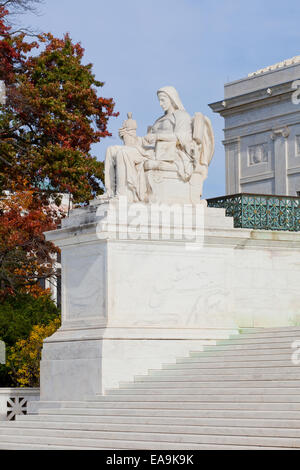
261,211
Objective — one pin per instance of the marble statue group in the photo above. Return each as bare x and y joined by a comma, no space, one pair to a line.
169,164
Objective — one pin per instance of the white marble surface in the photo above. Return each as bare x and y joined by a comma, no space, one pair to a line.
125,299
84,279
15,401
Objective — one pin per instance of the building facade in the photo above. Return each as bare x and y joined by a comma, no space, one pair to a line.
262,131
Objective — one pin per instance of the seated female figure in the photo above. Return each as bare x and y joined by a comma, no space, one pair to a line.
169,140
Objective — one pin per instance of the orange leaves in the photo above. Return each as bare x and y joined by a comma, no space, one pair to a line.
25,255
52,118
13,50
56,116
37,291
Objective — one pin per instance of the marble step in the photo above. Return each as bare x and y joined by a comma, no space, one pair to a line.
160,420
236,358
20,446
198,375
268,333
240,355
275,329
173,412
179,369
99,444
244,346
198,397
100,438
90,429
208,383
191,364
255,339
133,403
9,443
204,391
241,393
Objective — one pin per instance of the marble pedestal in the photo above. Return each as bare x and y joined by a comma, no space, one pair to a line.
138,292
167,188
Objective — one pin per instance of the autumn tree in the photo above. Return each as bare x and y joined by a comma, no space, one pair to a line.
52,117
25,256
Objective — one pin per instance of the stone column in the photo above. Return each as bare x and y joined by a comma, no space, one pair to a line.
232,151
279,138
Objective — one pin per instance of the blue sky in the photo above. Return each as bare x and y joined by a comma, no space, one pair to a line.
138,46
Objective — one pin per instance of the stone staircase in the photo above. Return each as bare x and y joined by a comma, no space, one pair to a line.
242,393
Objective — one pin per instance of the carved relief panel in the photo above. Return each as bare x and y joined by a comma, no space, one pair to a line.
258,154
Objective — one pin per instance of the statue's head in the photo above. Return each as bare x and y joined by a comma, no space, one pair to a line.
169,98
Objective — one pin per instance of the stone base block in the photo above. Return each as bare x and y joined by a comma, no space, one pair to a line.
132,301
76,364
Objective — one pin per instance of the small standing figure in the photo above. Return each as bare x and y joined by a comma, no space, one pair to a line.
128,132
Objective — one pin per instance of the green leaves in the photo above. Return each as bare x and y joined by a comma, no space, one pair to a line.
18,314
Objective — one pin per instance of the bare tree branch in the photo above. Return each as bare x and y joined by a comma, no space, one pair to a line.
20,6
17,8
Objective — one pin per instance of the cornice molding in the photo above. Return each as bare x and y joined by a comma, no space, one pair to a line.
255,99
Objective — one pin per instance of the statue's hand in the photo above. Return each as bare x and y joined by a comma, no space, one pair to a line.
151,138
122,132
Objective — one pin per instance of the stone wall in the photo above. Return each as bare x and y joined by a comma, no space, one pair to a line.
262,133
